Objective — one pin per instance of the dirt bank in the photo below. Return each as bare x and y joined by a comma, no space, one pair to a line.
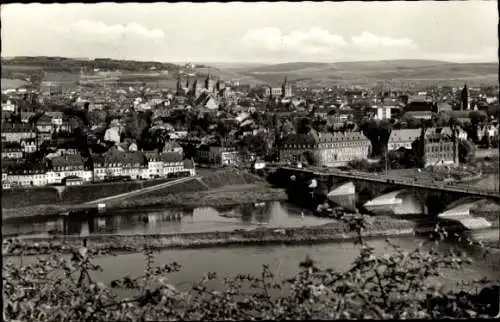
334,232
225,196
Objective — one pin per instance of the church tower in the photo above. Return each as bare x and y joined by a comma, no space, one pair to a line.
465,98
179,86
286,89
209,83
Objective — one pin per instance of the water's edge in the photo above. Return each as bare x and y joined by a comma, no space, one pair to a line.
136,243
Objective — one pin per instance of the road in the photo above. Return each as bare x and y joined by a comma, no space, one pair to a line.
142,191
409,182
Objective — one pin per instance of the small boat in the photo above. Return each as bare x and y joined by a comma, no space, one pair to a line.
260,204
64,213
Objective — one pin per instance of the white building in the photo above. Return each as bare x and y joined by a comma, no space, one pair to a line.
402,138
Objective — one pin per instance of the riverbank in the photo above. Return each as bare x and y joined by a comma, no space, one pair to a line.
220,197
337,231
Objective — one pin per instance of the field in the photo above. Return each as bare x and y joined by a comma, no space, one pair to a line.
8,83
362,73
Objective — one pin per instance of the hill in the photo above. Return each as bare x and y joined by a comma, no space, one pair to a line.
371,72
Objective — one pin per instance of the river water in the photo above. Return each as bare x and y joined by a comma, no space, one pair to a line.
156,221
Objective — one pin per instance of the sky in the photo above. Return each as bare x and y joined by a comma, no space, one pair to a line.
456,31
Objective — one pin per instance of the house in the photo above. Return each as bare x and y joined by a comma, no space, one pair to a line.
26,116
438,147
72,181
419,115
168,164
172,146
17,132
112,135
9,106
443,107
133,164
383,113
461,134
44,124
66,166
115,163
217,154
56,117
324,149
34,175
43,137
29,145
223,155
203,153
12,150
402,138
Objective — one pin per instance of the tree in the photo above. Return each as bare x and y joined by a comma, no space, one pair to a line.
466,151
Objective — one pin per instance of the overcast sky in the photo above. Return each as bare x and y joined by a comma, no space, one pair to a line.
255,32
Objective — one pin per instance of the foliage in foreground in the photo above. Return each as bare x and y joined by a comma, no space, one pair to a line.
396,285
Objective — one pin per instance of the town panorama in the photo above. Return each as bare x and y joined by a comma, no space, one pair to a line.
279,161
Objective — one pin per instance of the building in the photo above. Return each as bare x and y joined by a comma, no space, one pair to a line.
403,138
383,113
56,117
168,164
115,163
9,106
133,164
217,154
72,181
17,132
465,99
284,91
437,146
172,146
27,176
223,155
12,150
44,124
207,100
26,116
325,149
68,166
419,115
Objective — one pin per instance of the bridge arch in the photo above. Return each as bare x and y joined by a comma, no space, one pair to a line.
397,202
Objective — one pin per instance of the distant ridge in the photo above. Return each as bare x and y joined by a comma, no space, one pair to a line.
369,72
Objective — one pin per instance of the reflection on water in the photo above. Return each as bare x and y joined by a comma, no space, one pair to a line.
273,214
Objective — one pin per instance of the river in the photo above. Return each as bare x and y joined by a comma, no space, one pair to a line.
283,261
228,260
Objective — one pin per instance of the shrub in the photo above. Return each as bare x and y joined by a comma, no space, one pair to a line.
390,286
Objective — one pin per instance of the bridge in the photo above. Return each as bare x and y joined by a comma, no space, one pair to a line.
413,183
392,194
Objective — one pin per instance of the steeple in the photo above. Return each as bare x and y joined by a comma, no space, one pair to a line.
465,98
284,88
179,85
